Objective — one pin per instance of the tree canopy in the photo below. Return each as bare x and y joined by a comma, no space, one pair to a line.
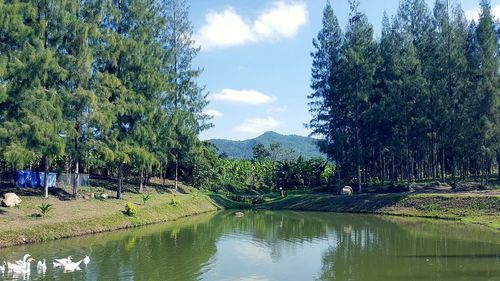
419,103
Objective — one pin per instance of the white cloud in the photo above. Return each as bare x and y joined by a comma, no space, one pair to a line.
282,19
213,113
257,125
474,14
242,96
223,30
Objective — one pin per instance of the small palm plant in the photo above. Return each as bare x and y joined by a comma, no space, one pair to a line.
145,198
174,201
45,208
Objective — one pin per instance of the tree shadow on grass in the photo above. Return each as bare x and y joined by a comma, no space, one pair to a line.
226,203
362,203
61,194
131,185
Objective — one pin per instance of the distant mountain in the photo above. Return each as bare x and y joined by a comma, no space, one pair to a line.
301,146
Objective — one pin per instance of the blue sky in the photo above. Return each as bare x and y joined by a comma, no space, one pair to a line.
256,59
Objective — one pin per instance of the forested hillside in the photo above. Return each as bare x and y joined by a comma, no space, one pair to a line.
292,145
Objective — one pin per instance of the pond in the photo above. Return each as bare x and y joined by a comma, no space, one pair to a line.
281,245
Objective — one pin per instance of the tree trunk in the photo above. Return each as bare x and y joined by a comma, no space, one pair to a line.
434,158
358,160
76,181
165,175
393,176
141,180
339,179
46,178
443,168
69,174
498,165
67,169
453,172
120,181
408,177
488,165
176,172
161,173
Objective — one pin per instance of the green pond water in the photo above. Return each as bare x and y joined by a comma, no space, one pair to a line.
284,245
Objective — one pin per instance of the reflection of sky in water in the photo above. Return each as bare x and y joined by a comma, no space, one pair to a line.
257,261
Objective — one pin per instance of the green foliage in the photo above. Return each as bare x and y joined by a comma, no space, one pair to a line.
260,152
420,103
105,85
145,198
174,201
225,175
130,209
45,208
300,173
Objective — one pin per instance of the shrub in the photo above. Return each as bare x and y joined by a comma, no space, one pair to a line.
130,209
45,208
174,201
145,198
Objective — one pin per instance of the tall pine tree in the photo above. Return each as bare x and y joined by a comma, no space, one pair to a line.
357,76
326,100
185,100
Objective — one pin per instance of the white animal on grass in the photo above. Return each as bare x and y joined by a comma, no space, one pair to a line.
346,190
86,260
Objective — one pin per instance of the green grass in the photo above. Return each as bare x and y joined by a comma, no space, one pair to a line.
81,217
225,203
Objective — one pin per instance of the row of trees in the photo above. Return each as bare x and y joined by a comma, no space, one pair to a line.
419,103
107,84
263,173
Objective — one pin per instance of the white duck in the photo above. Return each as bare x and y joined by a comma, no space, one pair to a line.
41,266
2,267
20,269
62,262
86,260
22,262
72,266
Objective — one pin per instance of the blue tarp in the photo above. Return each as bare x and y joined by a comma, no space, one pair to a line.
34,179
21,179
52,179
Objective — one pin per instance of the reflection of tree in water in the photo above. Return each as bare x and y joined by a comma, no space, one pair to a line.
175,251
377,249
178,253
277,231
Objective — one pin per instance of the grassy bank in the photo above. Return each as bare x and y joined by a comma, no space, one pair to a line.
471,208
87,216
